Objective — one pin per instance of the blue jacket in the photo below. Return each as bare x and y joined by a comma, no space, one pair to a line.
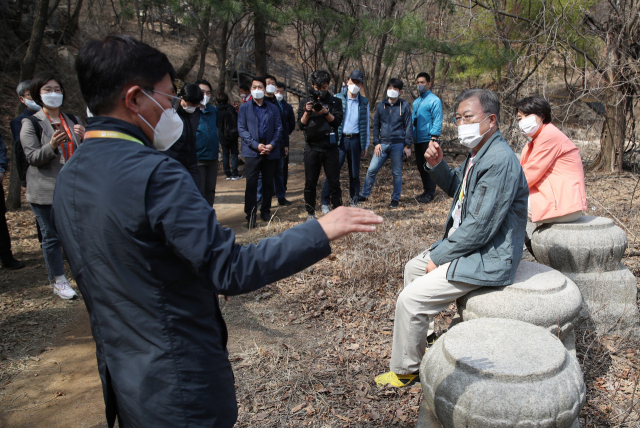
150,259
427,117
487,247
363,118
207,134
249,133
392,123
16,124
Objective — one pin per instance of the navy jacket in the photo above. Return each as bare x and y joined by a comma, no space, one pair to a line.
16,124
184,149
249,133
150,259
3,157
392,123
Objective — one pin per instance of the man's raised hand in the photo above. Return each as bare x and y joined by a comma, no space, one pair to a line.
434,154
342,221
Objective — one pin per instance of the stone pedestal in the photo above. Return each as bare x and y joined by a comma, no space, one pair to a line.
539,295
500,373
589,251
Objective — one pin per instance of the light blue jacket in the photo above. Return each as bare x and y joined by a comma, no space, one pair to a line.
427,117
487,247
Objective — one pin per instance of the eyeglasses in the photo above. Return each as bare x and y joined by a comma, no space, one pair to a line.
48,90
466,119
175,101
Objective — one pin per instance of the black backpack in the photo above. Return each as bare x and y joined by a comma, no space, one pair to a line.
21,159
230,124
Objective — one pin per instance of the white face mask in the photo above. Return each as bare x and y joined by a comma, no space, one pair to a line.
189,109
529,125
243,96
89,114
392,93
354,89
271,89
167,130
31,105
53,100
279,97
205,100
257,94
469,135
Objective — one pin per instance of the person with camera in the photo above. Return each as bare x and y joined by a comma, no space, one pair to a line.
49,139
319,117
260,128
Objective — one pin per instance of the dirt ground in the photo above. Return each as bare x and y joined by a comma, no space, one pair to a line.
305,349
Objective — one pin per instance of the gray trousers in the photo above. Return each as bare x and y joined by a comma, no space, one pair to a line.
424,296
208,177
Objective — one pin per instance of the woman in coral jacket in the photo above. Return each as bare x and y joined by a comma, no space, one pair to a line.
552,165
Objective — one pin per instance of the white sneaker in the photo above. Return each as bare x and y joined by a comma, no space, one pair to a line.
64,290
228,178
237,177
326,209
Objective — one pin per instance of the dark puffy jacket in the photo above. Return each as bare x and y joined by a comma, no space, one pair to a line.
184,149
392,123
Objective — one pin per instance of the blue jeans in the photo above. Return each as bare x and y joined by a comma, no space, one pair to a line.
230,150
51,248
393,151
350,150
278,181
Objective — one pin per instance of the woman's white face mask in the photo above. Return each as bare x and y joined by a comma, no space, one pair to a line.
167,130
469,135
529,125
53,100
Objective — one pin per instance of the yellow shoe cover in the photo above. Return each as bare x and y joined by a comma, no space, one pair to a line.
398,381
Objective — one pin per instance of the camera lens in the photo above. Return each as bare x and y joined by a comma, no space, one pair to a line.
317,107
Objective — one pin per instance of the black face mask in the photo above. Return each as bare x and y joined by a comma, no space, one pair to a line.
318,94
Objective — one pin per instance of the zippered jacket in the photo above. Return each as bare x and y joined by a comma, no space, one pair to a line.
207,142
392,123
363,118
427,117
487,247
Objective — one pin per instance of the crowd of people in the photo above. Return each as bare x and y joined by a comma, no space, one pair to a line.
130,199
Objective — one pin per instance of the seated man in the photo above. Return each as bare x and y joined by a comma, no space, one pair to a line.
483,236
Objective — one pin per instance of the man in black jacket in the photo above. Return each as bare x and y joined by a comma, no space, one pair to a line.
319,117
290,119
149,254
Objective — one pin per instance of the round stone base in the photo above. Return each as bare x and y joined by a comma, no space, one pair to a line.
610,300
589,244
539,295
501,373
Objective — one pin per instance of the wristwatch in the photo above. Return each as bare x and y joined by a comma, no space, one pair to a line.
326,113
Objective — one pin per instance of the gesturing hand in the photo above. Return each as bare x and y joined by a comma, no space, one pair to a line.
434,154
79,130
342,221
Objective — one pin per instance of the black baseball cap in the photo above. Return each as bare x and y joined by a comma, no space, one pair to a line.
357,75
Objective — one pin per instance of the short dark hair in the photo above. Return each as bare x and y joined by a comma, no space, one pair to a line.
488,100
319,78
222,98
396,83
204,82
281,85
425,75
259,79
244,87
38,81
535,105
269,76
23,87
105,67
192,93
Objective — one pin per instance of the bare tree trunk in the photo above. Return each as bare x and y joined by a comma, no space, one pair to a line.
191,59
260,37
206,23
222,57
74,21
26,72
203,57
613,133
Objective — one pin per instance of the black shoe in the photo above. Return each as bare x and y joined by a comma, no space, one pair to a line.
266,217
284,203
424,199
11,263
393,204
361,199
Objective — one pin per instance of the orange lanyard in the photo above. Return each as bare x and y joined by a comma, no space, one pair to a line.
69,152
